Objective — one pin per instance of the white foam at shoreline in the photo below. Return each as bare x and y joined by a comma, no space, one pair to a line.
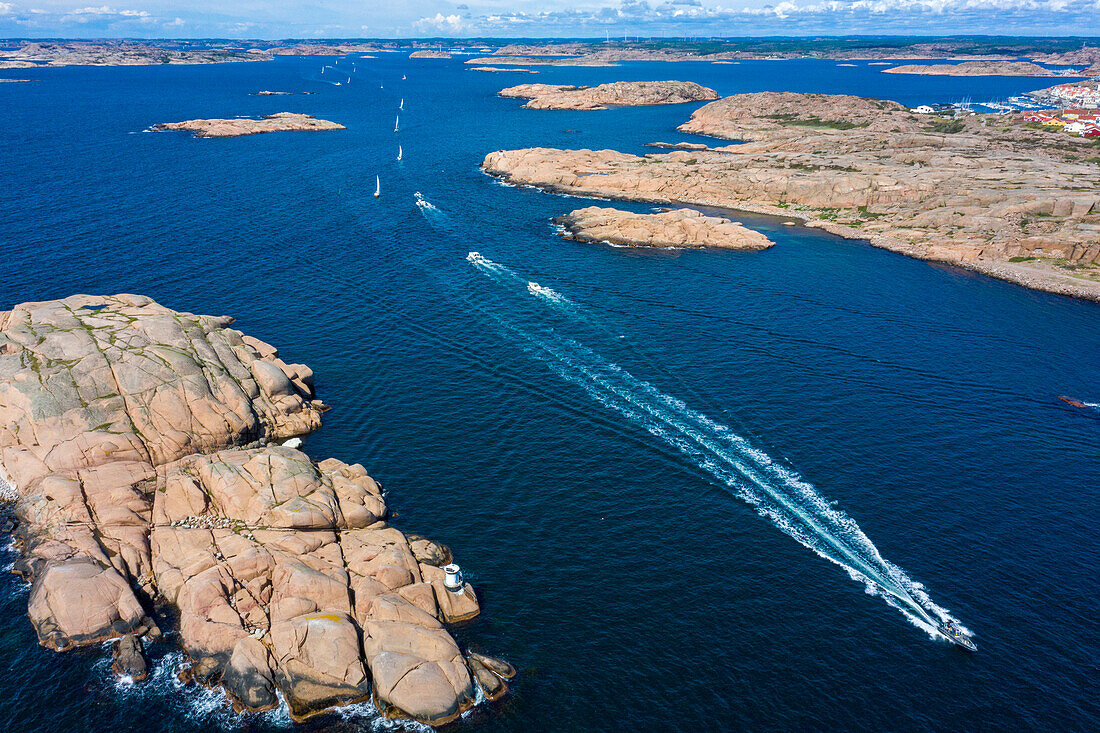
7,487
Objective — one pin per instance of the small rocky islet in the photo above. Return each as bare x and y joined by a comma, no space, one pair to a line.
973,68
676,228
241,126
142,463
614,94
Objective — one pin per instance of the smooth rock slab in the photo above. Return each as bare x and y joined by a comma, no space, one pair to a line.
615,94
237,127
675,228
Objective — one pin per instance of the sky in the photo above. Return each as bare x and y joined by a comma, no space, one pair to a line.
541,18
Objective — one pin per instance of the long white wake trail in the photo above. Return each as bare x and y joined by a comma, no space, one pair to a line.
776,492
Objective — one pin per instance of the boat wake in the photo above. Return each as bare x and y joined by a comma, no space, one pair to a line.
543,292
776,492
423,203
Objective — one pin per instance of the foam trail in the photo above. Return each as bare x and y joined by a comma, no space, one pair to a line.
506,277
550,294
423,203
776,492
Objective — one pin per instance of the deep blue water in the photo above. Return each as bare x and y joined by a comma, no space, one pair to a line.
557,441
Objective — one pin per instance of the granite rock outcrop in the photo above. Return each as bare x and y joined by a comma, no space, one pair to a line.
673,228
140,448
614,94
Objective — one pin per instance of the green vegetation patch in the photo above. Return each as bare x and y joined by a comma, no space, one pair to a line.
947,127
790,118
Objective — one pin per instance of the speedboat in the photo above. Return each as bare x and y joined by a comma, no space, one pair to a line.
951,631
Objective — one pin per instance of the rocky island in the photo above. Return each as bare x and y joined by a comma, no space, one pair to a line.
675,228
985,191
501,69
615,94
140,454
536,61
430,54
973,68
278,122
122,53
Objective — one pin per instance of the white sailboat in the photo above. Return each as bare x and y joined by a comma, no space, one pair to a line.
400,153
377,186
402,77
397,124
402,105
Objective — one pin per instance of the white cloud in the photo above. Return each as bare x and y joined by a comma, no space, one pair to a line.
5,8
441,24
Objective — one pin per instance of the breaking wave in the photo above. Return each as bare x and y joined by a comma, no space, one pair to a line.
776,492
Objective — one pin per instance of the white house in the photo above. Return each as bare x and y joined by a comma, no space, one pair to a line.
924,109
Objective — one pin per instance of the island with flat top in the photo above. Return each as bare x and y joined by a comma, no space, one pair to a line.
676,228
973,68
237,127
614,94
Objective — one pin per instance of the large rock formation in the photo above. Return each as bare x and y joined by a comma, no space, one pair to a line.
973,68
236,127
427,53
674,228
985,191
615,94
141,449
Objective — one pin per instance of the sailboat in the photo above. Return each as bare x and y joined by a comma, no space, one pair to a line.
402,105
377,186
400,153
397,124
402,77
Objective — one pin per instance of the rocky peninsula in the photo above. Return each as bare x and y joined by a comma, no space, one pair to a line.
430,54
140,449
278,122
973,68
675,228
984,191
615,94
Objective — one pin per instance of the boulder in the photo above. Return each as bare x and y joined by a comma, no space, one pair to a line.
418,670
318,662
129,658
82,602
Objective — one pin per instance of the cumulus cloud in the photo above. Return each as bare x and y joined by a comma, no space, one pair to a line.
441,25
836,16
549,18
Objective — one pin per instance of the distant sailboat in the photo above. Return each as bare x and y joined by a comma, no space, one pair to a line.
402,77
402,105
397,124
377,186
400,153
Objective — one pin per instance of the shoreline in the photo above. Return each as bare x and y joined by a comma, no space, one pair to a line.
1047,283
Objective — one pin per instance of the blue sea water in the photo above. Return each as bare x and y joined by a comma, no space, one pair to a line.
643,460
